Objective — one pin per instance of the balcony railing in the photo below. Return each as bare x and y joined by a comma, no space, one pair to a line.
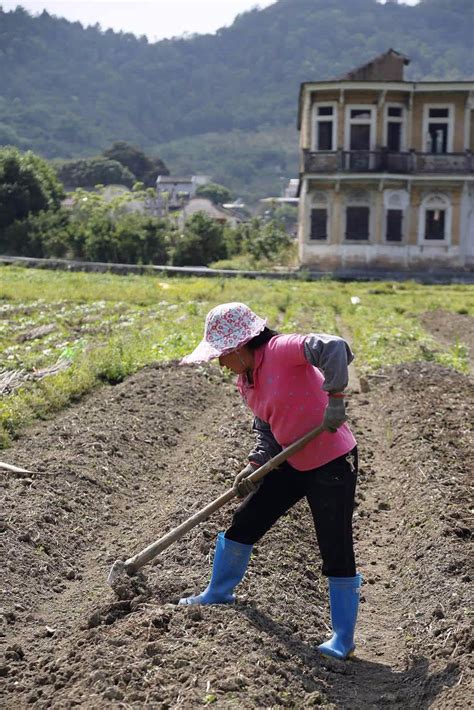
444,162
383,161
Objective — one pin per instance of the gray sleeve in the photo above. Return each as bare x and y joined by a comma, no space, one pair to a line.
266,446
332,355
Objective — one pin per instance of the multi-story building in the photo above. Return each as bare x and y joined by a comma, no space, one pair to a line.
386,171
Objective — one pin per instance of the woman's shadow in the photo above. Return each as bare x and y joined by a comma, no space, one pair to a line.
366,684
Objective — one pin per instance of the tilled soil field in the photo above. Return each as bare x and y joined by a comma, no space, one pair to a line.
130,462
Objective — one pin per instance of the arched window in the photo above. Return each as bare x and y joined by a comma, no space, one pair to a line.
435,219
395,204
357,216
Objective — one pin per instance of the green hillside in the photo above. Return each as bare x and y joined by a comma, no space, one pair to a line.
223,104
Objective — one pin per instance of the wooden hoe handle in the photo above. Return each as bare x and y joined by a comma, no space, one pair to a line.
133,564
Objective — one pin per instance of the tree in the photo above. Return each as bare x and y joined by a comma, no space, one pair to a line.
94,171
260,240
145,169
44,234
269,240
159,168
218,194
201,243
28,185
142,239
117,230
284,215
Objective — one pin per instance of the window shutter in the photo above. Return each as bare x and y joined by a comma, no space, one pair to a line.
394,226
319,219
357,223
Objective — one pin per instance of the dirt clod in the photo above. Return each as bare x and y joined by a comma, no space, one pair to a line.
130,586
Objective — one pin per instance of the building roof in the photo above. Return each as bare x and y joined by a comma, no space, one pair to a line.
359,73
281,200
366,77
173,179
203,204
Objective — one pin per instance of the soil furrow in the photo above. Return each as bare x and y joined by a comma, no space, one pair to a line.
130,462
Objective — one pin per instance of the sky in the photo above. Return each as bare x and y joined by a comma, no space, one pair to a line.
154,18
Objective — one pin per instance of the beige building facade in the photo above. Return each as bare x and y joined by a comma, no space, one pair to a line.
386,171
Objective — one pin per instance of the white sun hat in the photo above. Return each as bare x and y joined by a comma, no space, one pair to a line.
228,327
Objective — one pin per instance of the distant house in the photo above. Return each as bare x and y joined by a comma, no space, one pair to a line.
386,171
219,214
174,191
291,190
289,196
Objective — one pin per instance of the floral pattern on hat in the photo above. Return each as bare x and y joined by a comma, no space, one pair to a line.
228,327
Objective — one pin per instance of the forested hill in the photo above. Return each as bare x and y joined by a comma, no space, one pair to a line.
70,91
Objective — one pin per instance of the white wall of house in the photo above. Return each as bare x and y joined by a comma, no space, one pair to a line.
337,252
327,257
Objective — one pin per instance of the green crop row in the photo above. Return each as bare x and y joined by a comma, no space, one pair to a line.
106,327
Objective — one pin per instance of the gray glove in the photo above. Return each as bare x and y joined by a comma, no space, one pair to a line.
242,485
335,414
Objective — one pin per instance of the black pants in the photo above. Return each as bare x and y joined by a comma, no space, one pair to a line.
330,491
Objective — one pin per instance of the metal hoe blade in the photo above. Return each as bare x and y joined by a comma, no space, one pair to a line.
117,571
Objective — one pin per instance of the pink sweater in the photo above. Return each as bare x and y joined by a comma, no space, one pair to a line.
287,393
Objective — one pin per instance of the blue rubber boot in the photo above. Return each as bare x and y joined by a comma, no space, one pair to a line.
230,564
344,594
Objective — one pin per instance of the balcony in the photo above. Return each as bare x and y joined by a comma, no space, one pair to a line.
383,161
444,163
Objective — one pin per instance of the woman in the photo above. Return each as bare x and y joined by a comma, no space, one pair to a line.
292,384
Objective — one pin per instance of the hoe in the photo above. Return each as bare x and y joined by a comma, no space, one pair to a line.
133,564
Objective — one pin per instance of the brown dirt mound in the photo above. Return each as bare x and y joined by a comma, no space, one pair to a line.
451,328
130,462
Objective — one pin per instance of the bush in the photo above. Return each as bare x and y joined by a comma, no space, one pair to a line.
268,241
94,230
142,239
260,240
201,243
41,235
286,216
